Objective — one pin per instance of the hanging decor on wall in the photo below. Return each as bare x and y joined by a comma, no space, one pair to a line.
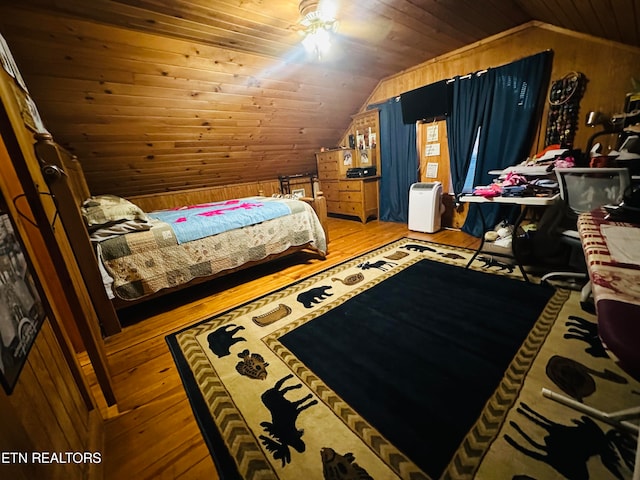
21,308
564,106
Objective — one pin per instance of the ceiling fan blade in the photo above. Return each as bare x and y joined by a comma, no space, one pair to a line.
373,31
328,9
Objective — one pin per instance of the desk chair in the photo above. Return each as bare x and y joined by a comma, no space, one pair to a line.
583,190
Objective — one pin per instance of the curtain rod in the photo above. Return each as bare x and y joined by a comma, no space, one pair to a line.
481,72
468,75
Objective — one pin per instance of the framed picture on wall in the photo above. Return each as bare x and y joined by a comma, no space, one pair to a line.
298,192
21,307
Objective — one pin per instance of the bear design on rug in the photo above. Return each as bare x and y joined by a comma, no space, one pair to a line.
221,339
313,296
451,255
568,448
282,428
341,467
418,248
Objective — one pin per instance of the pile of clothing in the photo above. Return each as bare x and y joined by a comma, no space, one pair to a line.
515,185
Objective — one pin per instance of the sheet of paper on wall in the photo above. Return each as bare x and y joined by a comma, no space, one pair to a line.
432,150
432,170
432,133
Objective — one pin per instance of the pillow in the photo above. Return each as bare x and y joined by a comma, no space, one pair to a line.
101,210
116,229
286,196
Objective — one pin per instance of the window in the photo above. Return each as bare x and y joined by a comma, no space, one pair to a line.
471,172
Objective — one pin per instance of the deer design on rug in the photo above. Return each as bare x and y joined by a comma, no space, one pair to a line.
284,414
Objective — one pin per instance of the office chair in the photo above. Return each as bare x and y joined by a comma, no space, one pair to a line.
583,190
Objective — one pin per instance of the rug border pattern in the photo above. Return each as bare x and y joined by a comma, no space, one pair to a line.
242,443
370,436
476,443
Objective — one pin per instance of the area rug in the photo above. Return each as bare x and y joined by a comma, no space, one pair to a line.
401,363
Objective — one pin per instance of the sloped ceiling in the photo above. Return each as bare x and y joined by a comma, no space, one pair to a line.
155,96
376,38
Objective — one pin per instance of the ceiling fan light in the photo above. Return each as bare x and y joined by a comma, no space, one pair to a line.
317,25
317,42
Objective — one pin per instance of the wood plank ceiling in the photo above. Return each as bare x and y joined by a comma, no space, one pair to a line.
159,95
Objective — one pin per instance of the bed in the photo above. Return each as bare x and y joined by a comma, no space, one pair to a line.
169,248
128,256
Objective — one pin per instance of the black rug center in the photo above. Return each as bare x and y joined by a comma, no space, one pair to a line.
419,354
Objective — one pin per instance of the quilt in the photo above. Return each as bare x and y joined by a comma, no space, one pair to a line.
145,262
198,221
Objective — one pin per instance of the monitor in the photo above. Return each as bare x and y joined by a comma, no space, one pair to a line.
430,102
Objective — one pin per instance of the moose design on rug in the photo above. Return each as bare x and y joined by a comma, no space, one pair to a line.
381,265
284,413
586,331
568,448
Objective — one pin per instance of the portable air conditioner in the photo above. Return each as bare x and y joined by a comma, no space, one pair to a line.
425,207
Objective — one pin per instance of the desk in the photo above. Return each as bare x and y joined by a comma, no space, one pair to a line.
615,287
526,202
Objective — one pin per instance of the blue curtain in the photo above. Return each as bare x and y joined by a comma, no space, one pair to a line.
470,98
398,163
507,104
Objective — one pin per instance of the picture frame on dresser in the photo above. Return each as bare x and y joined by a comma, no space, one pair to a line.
22,308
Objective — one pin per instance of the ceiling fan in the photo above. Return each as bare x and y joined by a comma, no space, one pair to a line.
319,26
316,25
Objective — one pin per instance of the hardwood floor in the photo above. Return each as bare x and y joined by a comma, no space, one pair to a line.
152,433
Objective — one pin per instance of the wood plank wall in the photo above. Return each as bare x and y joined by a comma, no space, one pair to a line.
51,408
608,66
195,196
45,413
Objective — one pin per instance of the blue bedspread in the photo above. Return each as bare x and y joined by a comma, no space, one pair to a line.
198,221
